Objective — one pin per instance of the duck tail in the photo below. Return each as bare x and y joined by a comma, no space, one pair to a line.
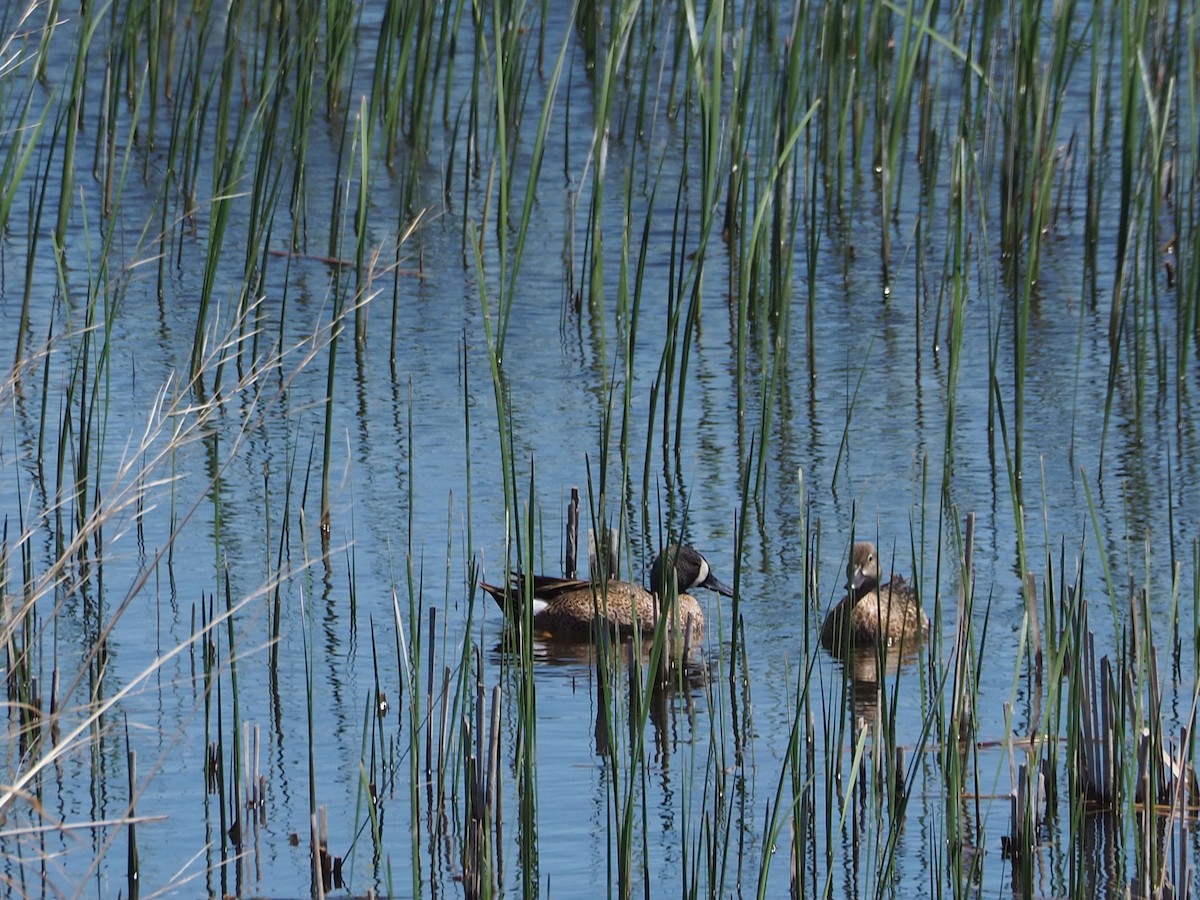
504,598
509,596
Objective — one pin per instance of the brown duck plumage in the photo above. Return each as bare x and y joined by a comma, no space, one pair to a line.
564,608
872,613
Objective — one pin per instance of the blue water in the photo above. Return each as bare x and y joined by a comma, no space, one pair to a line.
233,507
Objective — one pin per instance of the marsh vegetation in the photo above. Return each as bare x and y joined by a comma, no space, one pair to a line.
313,315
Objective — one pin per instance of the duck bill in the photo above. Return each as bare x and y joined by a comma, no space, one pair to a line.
715,584
857,579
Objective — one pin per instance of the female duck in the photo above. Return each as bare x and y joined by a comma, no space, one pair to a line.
871,613
565,608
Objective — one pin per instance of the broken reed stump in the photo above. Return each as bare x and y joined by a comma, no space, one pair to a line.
1094,759
481,847
572,561
1027,811
604,559
1165,789
962,719
327,868
1035,626
1162,869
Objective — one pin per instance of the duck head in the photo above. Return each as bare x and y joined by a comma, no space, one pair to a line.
862,572
691,570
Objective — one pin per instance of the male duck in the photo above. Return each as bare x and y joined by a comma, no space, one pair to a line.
871,613
565,608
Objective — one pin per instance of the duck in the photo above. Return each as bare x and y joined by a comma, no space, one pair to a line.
565,608
872,614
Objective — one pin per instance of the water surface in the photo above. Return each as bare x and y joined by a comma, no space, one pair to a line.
231,517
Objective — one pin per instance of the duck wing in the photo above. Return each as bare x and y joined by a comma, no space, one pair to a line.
544,587
547,587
